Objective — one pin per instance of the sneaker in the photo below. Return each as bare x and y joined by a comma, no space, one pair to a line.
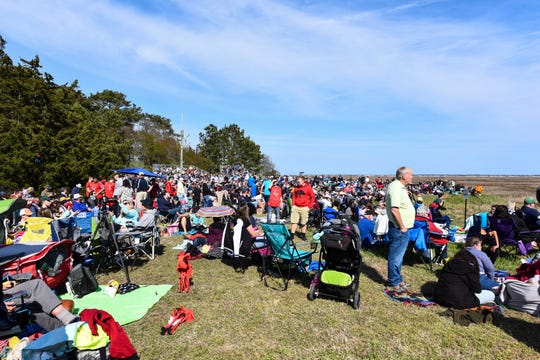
404,285
396,288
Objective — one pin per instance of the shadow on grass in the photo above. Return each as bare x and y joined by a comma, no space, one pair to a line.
428,289
523,331
373,274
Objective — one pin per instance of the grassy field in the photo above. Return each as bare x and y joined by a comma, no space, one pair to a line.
236,316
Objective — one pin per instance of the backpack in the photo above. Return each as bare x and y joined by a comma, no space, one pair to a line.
521,296
81,281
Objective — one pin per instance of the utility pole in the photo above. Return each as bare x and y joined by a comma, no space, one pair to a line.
182,137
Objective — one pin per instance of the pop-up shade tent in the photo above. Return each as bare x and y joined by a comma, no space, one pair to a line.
136,171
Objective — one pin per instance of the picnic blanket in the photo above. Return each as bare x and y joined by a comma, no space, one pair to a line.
407,297
125,308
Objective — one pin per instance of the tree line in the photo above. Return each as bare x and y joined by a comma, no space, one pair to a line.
55,134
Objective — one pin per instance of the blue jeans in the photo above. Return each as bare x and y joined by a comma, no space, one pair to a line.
487,283
269,213
398,245
485,296
208,200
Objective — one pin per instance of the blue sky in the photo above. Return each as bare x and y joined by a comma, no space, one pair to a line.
350,87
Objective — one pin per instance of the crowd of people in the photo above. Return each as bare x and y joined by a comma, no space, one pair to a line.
383,209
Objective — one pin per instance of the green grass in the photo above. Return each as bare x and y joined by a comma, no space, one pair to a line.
237,317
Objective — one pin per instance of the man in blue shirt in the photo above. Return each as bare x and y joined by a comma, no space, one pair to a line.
77,206
531,216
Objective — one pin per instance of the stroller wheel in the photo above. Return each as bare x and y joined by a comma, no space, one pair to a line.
311,294
356,301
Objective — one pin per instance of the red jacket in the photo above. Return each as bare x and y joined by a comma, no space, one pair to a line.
121,346
303,196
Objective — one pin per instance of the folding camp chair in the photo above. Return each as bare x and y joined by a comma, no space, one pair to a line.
285,257
140,241
38,229
511,240
435,244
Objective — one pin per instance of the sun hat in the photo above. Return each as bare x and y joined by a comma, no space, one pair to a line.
529,200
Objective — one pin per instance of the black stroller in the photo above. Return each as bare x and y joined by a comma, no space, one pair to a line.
339,276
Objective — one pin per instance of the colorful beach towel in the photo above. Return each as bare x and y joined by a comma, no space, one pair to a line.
407,297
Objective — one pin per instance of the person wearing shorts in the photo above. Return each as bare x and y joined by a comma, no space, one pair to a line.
303,198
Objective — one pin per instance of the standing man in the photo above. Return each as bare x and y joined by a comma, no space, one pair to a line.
141,190
302,200
401,216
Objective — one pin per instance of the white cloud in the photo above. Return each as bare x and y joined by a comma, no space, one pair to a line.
478,74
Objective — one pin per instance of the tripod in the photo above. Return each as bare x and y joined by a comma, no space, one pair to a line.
105,231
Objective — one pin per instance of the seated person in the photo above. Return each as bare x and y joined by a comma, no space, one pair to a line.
366,225
197,222
24,213
46,308
244,232
129,216
184,220
436,215
459,286
59,211
167,207
422,214
485,266
531,215
215,232
148,217
419,202
78,206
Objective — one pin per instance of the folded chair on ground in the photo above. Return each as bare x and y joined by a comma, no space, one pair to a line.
285,257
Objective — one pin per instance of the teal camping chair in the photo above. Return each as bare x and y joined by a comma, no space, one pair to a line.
285,257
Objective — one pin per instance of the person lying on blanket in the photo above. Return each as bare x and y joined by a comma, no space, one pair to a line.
46,308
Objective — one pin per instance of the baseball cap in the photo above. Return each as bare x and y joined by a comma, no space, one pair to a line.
77,196
44,198
25,211
529,200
